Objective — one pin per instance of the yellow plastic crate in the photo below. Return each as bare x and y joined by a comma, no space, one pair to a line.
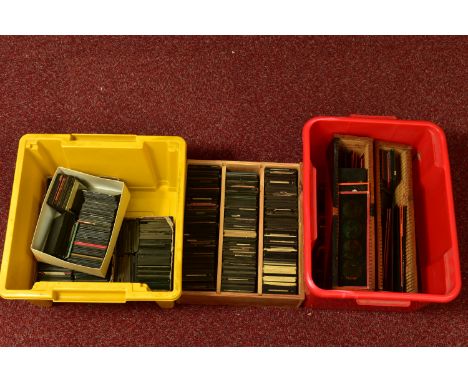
152,167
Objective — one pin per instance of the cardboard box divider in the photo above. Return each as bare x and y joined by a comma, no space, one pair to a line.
365,146
403,196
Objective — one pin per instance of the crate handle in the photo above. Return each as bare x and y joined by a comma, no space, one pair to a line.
395,303
70,295
373,116
103,137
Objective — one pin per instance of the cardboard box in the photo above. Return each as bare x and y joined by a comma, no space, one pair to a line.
47,214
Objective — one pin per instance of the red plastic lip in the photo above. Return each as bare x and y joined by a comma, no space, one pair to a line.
310,232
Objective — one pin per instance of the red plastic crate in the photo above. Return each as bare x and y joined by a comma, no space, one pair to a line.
436,235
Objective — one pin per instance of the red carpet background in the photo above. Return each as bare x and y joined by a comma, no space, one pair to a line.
238,98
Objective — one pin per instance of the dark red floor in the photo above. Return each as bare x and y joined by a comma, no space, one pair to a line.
230,98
